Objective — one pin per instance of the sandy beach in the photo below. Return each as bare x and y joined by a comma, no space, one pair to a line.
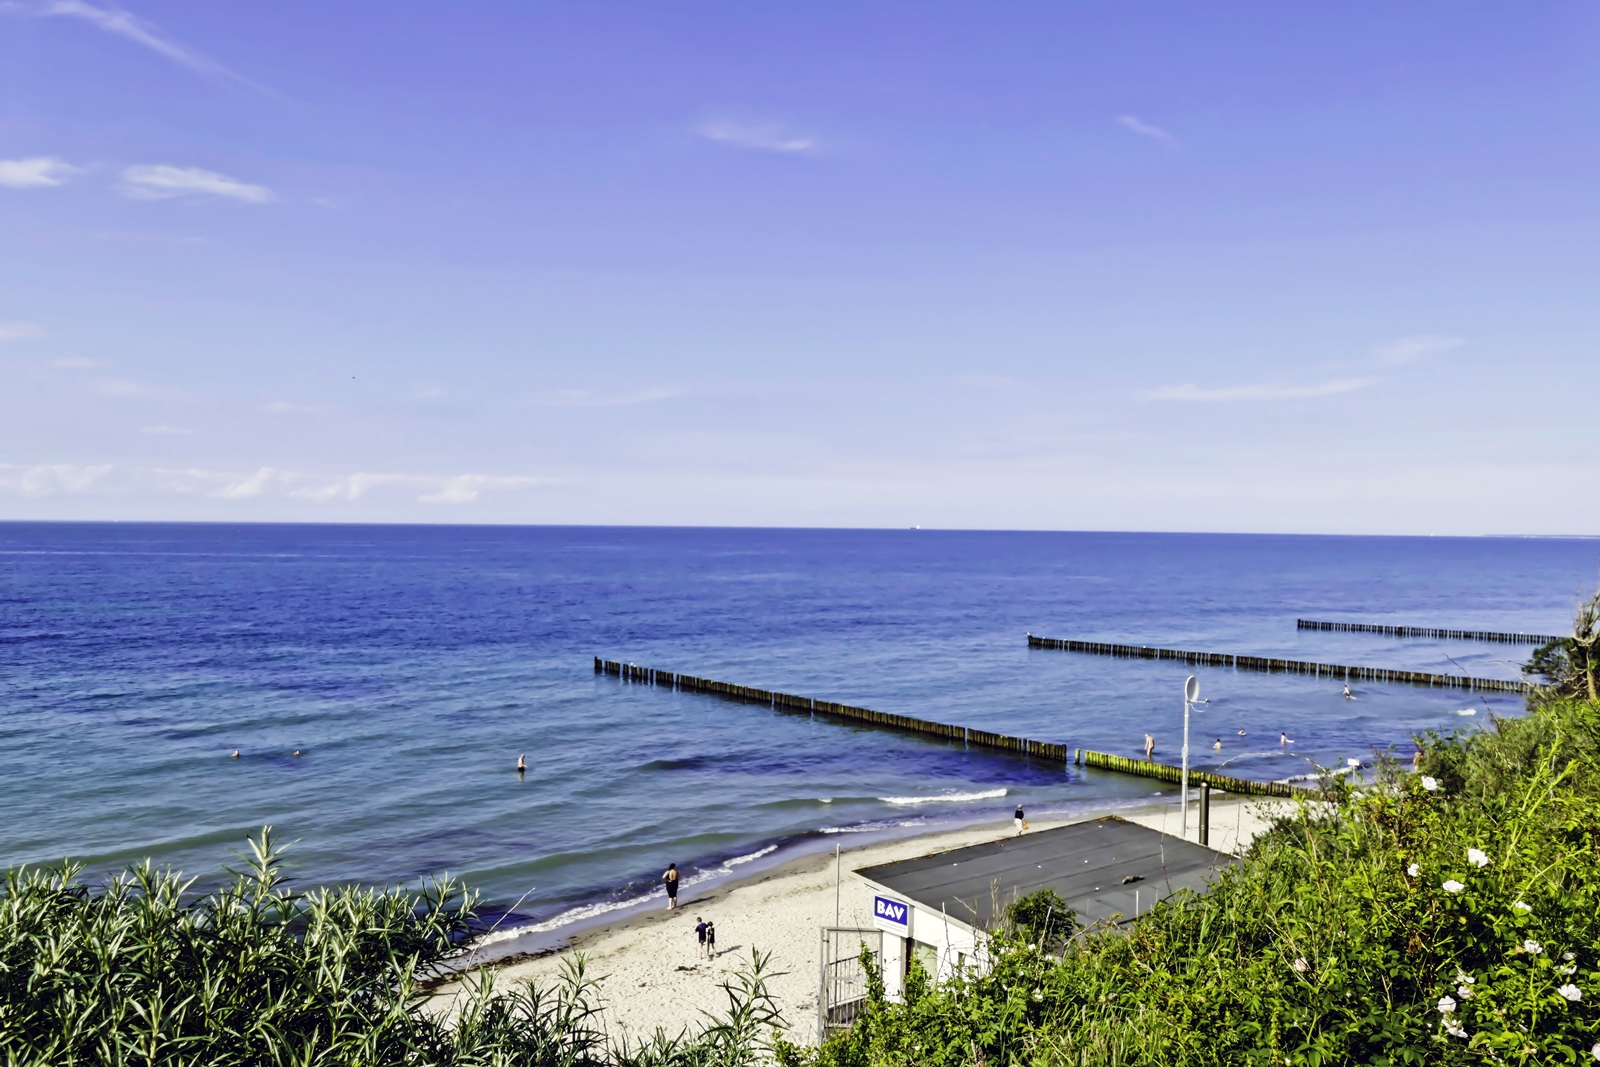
655,977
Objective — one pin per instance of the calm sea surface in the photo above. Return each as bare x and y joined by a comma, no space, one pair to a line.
411,665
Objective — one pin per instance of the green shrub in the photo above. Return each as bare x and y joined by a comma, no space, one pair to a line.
1398,924
135,973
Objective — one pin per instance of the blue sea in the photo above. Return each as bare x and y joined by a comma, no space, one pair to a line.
410,666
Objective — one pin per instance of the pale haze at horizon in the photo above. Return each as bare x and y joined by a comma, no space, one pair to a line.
1252,268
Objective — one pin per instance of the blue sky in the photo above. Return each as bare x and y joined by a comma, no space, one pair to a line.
1070,265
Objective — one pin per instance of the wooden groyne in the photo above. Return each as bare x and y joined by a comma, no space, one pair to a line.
1424,631
688,683
1284,666
1167,773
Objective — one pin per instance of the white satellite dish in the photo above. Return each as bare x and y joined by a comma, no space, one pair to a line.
1191,689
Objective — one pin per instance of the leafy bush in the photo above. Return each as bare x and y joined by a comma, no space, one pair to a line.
1570,666
133,973
1043,919
1446,917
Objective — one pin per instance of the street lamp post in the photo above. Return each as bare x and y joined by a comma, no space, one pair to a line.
1191,694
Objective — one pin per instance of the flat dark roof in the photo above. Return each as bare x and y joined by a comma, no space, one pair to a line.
1088,863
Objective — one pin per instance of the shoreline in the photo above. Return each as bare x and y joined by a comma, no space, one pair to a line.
654,978
532,939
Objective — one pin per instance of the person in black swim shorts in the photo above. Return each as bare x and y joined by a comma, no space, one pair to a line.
669,878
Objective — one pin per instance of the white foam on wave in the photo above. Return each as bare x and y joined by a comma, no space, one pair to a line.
987,794
566,918
752,856
589,911
1467,711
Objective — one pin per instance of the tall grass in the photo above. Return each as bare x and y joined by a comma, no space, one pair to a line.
140,972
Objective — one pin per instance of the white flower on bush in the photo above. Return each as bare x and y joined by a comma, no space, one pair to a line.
1571,992
1301,966
1522,906
1569,957
1413,870
1571,968
1477,857
1430,783
1463,978
1447,1004
1532,948
1595,1052
1452,886
1454,1029
1464,991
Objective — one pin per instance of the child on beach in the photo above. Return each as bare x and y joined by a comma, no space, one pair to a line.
700,928
711,941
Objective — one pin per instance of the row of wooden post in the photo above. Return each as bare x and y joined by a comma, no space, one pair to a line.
690,684
1166,772
1287,666
1424,631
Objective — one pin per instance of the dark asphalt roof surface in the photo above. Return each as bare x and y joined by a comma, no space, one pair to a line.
1097,867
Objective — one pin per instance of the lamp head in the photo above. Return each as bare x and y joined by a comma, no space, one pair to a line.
1191,689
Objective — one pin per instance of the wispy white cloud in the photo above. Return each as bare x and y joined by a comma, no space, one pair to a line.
1145,129
765,137
264,482
1410,349
1259,392
65,479
20,331
123,387
164,430
586,398
122,23
159,181
50,479
40,172
465,488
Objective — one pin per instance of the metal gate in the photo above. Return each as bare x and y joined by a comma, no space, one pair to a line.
844,984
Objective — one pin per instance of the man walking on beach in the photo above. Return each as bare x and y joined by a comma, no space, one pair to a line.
1020,819
669,878
700,927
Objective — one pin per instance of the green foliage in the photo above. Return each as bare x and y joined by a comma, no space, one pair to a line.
1043,919
1336,941
135,973
1570,666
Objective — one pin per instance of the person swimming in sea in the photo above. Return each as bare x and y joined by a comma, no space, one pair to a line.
1218,745
1347,694
1284,739
522,763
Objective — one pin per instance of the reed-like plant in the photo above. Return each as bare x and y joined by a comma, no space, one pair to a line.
140,971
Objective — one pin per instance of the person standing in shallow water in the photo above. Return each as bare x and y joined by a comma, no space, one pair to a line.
669,878
1149,747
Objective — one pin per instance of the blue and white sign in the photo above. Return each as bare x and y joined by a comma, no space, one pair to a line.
891,915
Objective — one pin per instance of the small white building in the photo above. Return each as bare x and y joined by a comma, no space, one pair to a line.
936,908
